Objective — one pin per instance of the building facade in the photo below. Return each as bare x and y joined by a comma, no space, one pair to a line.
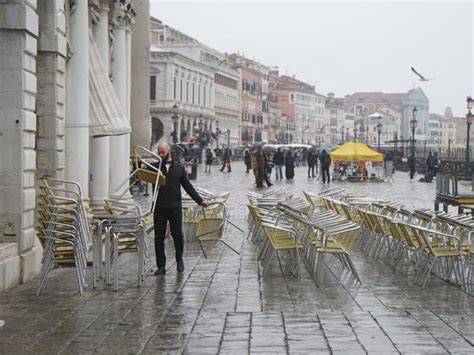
302,107
199,81
63,115
397,108
255,99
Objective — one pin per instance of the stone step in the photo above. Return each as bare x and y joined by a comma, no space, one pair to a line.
10,265
8,250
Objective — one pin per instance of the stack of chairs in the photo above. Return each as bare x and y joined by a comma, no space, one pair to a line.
324,233
124,228
63,228
305,229
269,229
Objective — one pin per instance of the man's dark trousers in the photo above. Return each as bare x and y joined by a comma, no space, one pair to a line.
160,219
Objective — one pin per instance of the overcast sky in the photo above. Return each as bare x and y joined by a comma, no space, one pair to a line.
343,47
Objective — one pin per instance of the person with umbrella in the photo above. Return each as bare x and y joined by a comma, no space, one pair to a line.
226,161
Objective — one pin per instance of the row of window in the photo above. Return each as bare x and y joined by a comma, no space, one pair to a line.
225,81
251,117
251,87
191,93
227,101
306,99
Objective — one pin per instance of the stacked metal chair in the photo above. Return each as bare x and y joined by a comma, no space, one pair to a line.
269,230
63,228
124,228
324,232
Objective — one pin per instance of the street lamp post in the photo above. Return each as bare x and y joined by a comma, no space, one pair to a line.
342,133
468,122
228,138
347,134
379,131
355,134
174,119
413,124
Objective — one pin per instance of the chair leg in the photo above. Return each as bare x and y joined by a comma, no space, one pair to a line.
202,248
235,251
116,238
351,264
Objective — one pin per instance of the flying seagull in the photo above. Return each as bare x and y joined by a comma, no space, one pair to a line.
422,78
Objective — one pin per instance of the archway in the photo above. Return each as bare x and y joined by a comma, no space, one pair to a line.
157,130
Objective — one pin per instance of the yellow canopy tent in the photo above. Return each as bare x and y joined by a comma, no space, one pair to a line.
355,152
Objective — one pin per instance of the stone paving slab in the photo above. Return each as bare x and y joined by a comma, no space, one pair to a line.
223,304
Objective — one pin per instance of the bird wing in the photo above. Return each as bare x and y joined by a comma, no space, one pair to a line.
420,76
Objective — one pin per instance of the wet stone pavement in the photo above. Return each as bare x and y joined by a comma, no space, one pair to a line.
223,305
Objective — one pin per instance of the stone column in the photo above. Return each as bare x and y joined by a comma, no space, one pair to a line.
77,103
128,71
119,148
140,85
100,147
18,35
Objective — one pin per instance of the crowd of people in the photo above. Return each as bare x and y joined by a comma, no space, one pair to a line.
262,163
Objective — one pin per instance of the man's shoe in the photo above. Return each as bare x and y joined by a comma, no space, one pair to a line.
160,271
180,266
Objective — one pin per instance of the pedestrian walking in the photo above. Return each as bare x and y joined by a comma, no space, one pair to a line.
311,159
429,167
325,164
278,160
412,165
268,165
253,162
435,164
168,208
261,173
226,161
289,166
297,158
316,161
209,160
247,161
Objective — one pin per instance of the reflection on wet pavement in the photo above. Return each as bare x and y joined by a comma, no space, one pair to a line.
222,305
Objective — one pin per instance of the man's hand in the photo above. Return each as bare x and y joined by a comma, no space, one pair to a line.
205,204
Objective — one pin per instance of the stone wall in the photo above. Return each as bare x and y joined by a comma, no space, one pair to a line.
51,71
18,33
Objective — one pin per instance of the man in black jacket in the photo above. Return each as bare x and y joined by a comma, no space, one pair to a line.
311,159
168,208
278,161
